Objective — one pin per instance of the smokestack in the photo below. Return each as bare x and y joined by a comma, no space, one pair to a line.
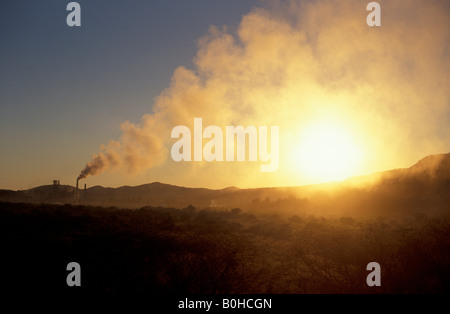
77,183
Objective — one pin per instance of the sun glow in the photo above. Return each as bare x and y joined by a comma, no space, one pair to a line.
327,153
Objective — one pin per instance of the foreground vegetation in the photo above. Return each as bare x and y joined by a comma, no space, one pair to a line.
166,250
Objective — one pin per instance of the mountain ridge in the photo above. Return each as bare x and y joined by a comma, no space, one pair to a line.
424,186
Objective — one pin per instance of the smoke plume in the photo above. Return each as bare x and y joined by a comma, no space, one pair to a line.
293,62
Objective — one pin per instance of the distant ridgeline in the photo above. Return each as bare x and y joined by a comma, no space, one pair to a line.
423,188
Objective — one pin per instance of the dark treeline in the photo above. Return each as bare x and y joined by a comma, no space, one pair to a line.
189,250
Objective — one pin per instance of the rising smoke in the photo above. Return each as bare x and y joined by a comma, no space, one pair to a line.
298,61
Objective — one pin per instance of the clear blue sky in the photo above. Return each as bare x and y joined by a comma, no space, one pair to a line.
64,91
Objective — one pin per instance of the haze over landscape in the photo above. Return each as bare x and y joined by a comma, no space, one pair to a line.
282,240
420,189
106,162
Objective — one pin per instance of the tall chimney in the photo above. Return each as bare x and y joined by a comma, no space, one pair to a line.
77,183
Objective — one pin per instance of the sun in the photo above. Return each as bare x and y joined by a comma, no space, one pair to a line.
327,152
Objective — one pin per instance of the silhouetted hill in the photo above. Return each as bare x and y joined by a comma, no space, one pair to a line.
435,167
423,187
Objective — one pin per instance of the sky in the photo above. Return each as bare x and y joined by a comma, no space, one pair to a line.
103,98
